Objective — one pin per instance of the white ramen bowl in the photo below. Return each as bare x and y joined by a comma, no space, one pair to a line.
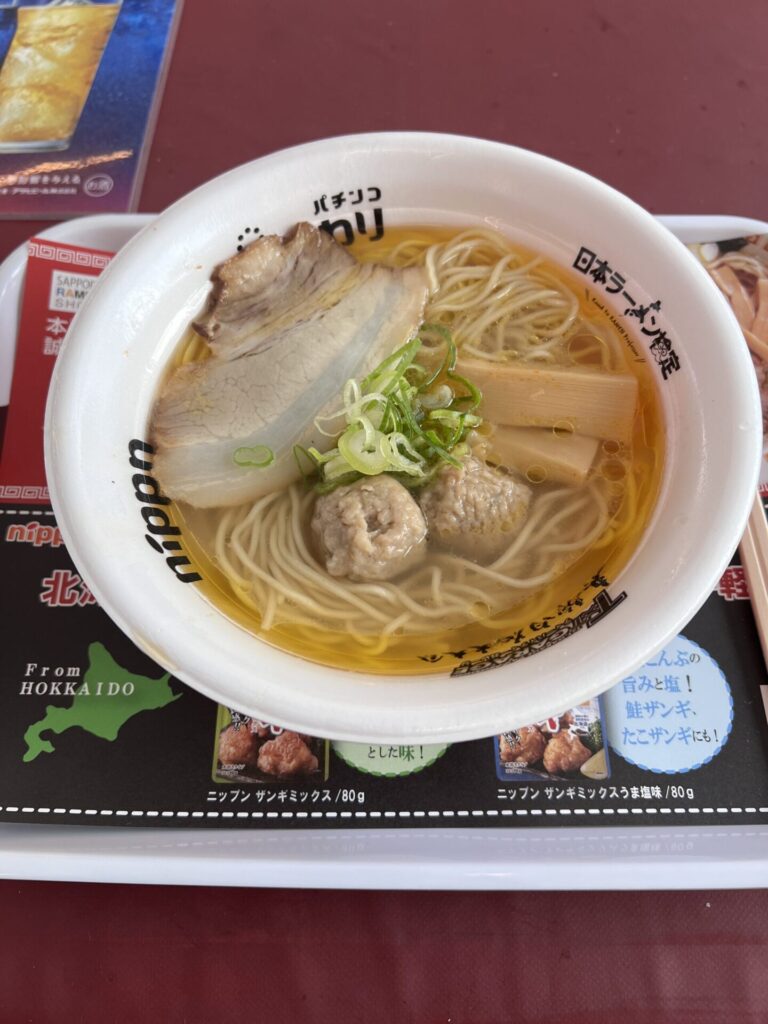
108,373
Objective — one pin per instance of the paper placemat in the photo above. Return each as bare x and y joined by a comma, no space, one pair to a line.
94,732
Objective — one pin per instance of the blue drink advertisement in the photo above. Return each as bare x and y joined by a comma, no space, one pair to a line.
79,85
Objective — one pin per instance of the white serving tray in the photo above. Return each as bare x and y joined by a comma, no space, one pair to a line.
556,858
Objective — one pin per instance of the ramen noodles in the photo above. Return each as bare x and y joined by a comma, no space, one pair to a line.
378,460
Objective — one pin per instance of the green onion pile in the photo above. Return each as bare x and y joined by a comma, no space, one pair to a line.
402,419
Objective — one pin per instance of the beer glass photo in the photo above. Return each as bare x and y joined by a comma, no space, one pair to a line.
51,55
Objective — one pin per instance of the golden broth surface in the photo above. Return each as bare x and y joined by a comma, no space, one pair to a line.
638,476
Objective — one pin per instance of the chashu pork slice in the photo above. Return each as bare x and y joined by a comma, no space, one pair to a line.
290,322
274,284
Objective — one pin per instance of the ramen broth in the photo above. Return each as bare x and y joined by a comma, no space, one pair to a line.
623,480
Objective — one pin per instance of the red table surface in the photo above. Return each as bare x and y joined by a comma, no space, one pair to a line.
664,100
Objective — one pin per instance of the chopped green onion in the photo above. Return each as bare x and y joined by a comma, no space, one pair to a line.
474,397
447,414
259,456
325,486
300,451
402,418
363,453
440,397
337,467
396,460
449,360
321,457
389,372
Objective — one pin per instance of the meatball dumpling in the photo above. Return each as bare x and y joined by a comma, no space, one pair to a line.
475,510
370,530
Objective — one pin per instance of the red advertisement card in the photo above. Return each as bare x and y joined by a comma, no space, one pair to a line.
58,278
